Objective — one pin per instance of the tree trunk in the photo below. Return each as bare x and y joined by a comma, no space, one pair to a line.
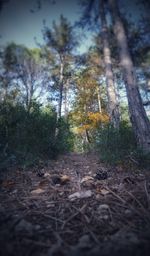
87,136
99,99
113,108
138,117
60,89
66,103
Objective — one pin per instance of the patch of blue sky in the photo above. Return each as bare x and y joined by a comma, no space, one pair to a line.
18,24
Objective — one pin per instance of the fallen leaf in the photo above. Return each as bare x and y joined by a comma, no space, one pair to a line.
8,183
37,191
103,207
82,194
86,178
104,191
65,179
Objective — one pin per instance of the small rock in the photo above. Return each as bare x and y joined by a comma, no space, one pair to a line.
61,193
47,175
103,207
103,211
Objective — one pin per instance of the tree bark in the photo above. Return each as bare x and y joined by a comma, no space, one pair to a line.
66,103
61,87
138,117
113,108
99,99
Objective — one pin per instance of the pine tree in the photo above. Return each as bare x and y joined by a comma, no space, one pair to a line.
138,117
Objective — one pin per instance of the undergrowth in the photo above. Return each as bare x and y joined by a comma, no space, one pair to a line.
119,145
27,137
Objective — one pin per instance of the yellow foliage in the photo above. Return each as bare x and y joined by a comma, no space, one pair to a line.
97,118
83,128
90,121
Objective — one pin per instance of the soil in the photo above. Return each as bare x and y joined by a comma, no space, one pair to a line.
44,213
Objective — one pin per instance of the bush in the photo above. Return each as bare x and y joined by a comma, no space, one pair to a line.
27,137
142,159
64,138
115,145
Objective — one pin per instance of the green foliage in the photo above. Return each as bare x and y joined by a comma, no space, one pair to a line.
115,145
61,37
25,137
142,159
64,138
78,143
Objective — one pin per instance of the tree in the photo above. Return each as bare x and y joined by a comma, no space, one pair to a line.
86,114
139,120
113,108
32,74
8,89
61,41
24,73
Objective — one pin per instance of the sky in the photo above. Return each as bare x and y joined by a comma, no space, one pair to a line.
19,24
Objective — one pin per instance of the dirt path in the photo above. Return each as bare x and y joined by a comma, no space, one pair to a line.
63,208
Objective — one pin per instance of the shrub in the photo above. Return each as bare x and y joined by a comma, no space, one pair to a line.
65,138
115,145
24,136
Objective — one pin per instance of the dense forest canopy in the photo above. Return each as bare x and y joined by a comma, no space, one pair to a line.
76,95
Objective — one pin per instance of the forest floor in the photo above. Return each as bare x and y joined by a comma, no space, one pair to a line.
75,205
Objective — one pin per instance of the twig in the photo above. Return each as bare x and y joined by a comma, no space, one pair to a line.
51,217
130,206
147,195
141,205
93,236
74,215
113,193
133,160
